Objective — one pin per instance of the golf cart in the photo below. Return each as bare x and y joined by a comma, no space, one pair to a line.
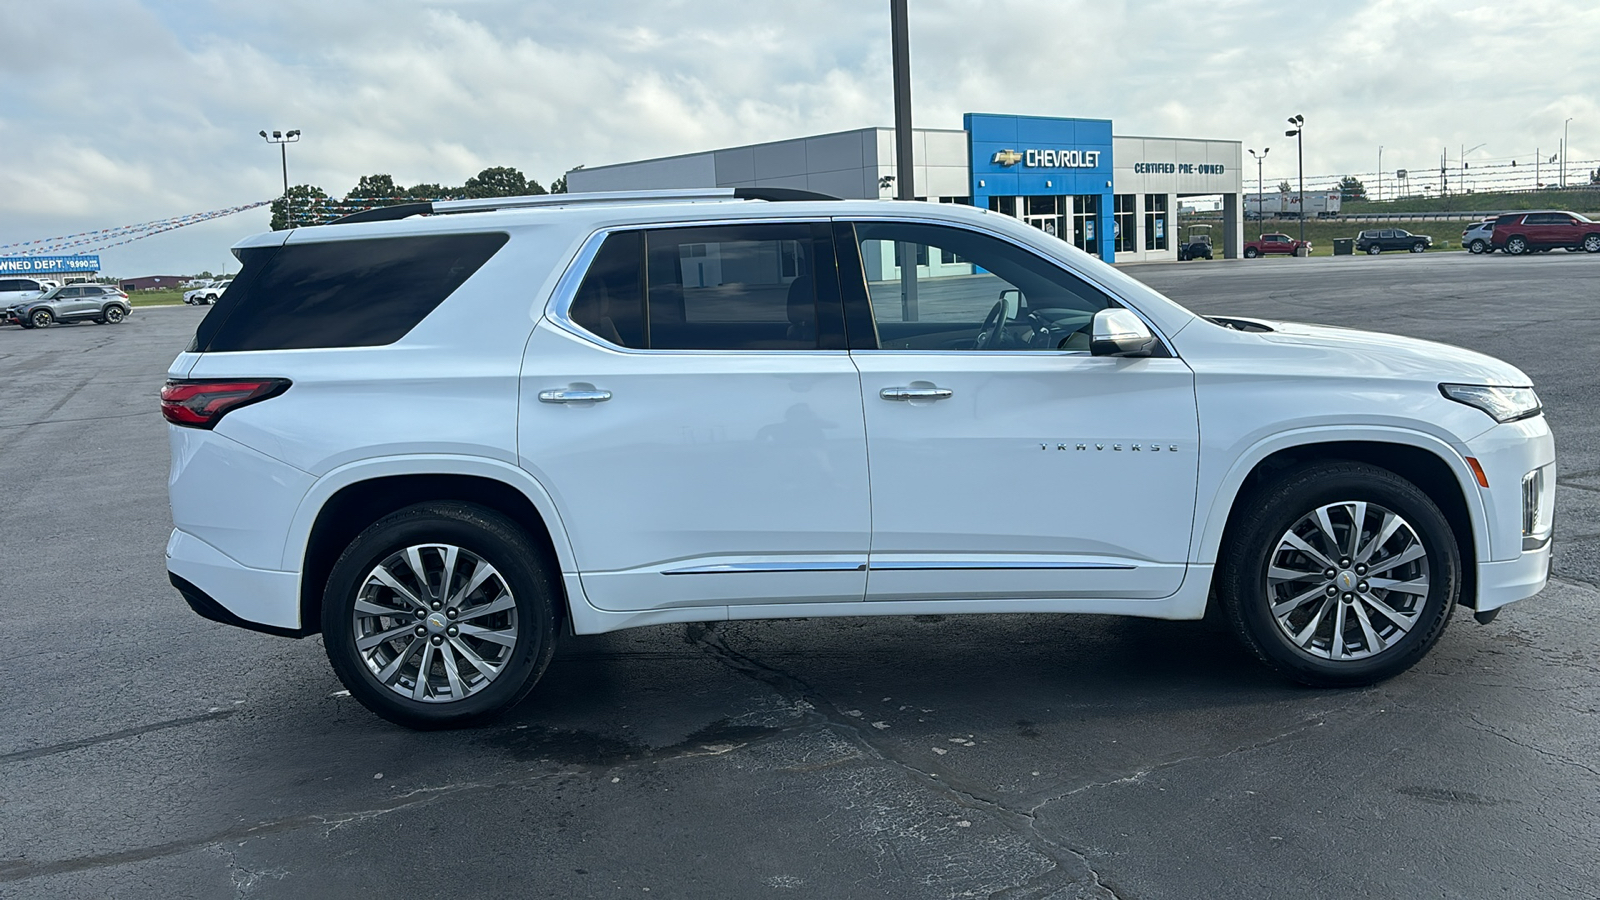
1197,245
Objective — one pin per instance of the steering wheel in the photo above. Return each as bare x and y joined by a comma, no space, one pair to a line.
993,331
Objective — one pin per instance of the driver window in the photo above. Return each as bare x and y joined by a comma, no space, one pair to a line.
935,287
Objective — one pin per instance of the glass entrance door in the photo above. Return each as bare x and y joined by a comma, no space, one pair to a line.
1047,214
1086,223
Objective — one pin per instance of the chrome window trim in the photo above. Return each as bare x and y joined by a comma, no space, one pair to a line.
1057,262
558,308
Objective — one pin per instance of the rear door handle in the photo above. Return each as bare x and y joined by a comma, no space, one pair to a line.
908,393
573,396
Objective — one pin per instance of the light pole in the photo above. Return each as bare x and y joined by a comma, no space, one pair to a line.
1261,197
1380,172
1299,123
1461,183
1564,150
281,139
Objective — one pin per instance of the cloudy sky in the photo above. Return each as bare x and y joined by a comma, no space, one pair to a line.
115,112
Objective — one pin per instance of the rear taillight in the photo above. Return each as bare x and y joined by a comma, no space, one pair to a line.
202,403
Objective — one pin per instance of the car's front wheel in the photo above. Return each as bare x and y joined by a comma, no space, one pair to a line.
41,318
1374,250
1343,574
1418,247
440,615
1591,243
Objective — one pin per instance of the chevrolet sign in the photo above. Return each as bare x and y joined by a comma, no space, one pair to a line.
1049,159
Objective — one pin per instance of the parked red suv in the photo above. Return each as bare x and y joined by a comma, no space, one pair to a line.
1518,233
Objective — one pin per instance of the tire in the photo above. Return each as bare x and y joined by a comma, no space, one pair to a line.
1516,246
1294,506
41,318
1591,243
1374,250
517,602
1251,253
113,315
1478,246
1419,247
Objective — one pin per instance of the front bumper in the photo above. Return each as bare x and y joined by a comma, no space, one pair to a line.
1500,583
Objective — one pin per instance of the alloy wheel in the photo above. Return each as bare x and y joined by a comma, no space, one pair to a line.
1347,581
435,623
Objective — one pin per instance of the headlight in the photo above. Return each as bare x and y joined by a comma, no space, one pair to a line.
1503,404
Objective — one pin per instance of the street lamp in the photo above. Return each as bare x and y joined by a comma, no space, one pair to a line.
1299,123
1462,182
1380,173
281,138
1261,197
1564,150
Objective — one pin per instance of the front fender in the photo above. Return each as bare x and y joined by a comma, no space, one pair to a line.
1207,542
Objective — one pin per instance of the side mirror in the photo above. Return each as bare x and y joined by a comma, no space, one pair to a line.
1118,332
1013,299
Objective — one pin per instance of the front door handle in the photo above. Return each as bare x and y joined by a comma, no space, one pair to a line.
908,393
573,396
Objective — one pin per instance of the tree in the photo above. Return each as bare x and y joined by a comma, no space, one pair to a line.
1351,188
375,187
303,204
500,181
431,191
559,186
1285,188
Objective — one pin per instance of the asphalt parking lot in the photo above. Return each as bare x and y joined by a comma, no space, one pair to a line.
145,752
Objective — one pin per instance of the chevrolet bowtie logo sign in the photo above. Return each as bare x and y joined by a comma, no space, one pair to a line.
1006,158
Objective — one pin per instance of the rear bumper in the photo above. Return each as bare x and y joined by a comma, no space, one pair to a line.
257,599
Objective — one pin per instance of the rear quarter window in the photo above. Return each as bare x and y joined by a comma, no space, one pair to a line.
358,293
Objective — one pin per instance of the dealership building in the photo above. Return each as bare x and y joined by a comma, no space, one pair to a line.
1111,195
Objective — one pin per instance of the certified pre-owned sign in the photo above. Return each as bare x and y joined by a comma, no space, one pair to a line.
1048,159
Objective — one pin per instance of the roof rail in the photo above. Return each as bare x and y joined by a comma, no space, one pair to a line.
487,204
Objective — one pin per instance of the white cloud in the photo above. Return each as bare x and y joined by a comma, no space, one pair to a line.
162,119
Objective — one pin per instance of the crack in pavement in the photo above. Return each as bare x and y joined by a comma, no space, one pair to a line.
124,734
1490,729
1062,857
22,869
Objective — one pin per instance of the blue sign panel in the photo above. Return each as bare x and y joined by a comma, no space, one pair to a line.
41,265
1036,156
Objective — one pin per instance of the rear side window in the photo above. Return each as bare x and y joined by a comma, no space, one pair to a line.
610,302
757,286
363,293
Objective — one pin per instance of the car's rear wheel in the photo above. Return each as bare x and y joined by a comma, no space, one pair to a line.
1478,246
41,318
1374,250
1516,246
440,615
1591,243
1418,247
1343,574
1251,253
114,315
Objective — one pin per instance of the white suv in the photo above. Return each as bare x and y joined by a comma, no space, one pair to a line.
207,293
442,441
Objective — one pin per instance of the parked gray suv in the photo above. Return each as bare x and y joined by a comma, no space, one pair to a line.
100,303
